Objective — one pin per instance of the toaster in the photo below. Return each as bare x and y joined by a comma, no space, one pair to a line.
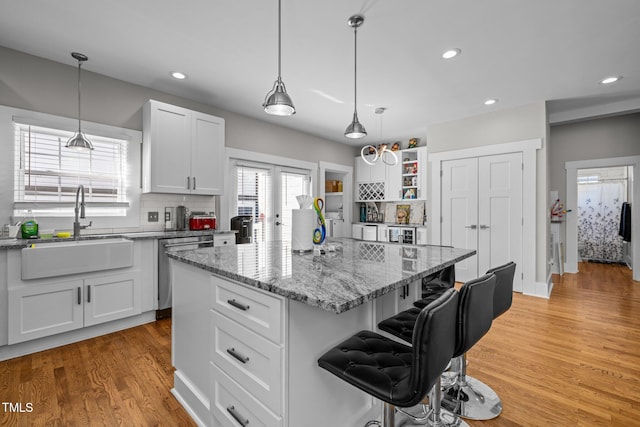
202,222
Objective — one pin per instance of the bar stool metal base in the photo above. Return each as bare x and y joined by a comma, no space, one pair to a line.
403,419
472,399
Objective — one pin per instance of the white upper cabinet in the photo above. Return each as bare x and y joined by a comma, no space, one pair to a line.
370,173
183,150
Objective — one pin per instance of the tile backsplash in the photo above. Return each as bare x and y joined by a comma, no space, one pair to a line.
156,203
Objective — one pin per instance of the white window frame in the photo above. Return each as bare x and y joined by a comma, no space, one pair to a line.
64,219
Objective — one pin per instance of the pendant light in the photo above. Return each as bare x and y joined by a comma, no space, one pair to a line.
277,101
387,156
355,129
78,141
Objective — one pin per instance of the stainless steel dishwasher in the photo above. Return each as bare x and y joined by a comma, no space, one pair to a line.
165,284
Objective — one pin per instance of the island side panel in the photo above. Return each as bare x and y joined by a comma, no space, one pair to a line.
316,397
190,337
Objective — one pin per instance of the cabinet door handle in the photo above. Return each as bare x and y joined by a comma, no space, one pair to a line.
242,358
194,182
239,418
79,295
473,227
88,293
484,227
236,304
188,183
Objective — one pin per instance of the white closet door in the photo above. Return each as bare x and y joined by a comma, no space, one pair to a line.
460,211
500,213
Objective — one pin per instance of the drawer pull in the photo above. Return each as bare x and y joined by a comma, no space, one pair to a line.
243,421
232,351
236,304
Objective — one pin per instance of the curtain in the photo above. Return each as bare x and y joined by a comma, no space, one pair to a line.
599,208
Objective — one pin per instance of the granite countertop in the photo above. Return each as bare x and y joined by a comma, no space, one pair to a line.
355,272
23,243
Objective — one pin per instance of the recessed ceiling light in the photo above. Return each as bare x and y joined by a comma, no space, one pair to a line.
451,53
178,75
490,101
610,80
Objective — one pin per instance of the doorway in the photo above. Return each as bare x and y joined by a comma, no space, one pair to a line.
267,193
632,164
603,194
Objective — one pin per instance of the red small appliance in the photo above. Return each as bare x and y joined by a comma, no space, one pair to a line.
202,222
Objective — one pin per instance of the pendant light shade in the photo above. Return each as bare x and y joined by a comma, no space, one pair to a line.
78,141
278,102
355,130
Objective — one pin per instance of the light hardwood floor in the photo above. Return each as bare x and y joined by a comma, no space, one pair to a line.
572,360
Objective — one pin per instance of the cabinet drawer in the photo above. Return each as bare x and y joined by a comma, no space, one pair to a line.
254,362
224,240
232,406
251,308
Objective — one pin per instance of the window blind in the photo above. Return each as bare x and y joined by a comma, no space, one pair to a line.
255,199
48,173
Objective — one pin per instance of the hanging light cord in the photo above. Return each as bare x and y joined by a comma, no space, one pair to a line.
79,74
279,39
355,69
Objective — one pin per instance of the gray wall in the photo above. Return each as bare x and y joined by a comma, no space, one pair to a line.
498,127
41,85
608,137
36,84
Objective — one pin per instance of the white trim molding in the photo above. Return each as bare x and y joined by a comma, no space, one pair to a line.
528,148
571,230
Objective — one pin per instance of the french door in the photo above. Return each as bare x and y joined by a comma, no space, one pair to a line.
268,194
482,210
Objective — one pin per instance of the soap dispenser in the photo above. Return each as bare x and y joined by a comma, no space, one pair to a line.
30,227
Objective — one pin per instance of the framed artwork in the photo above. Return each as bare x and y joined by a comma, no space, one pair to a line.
403,212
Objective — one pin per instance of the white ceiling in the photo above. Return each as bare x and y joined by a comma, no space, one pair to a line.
518,51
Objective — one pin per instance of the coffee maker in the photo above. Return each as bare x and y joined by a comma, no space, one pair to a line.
244,226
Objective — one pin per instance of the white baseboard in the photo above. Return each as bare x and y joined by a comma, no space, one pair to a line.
196,404
46,343
542,289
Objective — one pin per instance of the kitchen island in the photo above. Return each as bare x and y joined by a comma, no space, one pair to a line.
250,321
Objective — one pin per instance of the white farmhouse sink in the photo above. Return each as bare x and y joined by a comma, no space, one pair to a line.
75,256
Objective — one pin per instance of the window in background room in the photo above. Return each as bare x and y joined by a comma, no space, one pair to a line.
47,174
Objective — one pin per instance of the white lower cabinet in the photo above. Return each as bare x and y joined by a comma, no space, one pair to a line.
253,361
43,310
234,406
111,298
49,308
247,356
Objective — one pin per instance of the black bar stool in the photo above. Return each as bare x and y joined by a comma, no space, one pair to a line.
400,375
469,397
439,281
473,321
